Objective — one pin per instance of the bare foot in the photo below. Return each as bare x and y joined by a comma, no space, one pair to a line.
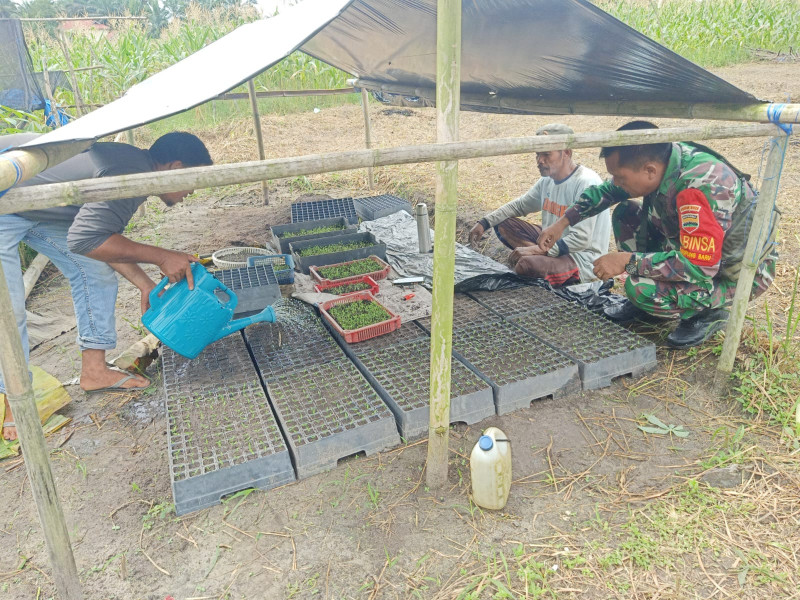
9,432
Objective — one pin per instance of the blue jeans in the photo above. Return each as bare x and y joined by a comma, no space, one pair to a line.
93,283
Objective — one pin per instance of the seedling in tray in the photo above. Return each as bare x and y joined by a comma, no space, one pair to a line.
312,231
372,266
362,283
331,248
358,317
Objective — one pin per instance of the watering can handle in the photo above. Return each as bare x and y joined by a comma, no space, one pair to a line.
232,299
155,298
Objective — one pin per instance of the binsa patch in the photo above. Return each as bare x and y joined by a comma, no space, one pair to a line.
701,234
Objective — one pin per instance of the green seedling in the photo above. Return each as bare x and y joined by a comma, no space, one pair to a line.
365,266
347,288
312,231
332,248
355,315
662,429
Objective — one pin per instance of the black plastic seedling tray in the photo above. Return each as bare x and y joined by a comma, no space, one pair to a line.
375,207
302,263
519,369
255,287
281,234
329,412
222,435
519,301
291,344
466,313
603,350
401,375
325,209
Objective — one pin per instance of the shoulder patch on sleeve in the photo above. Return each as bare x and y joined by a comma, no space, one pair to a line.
701,233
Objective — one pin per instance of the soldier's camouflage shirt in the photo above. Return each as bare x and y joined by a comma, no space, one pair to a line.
695,222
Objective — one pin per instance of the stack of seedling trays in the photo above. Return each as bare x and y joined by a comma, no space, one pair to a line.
375,207
603,350
519,368
255,287
334,250
326,408
222,435
398,366
324,209
283,235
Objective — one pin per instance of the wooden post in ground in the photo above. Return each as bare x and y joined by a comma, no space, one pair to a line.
759,232
48,90
23,406
367,133
448,90
251,88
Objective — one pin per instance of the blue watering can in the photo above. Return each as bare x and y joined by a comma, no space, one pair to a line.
189,320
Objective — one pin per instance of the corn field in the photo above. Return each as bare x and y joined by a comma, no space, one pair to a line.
708,32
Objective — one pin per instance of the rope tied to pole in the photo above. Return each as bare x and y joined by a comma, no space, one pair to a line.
17,170
774,111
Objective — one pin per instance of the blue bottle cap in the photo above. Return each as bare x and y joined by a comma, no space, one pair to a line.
486,442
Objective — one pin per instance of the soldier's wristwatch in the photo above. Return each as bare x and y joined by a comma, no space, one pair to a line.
631,265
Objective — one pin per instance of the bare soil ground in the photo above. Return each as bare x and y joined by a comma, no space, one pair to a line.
598,509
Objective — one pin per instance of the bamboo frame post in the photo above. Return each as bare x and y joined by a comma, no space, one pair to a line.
759,231
23,406
73,80
367,133
251,88
17,166
448,89
49,91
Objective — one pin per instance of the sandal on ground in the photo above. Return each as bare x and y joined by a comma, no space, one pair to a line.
118,386
9,424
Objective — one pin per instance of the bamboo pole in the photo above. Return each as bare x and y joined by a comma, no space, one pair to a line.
106,18
367,133
17,166
759,231
758,111
49,91
287,94
33,272
23,406
144,184
448,78
259,136
76,93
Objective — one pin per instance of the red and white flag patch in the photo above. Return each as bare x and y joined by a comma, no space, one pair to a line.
701,233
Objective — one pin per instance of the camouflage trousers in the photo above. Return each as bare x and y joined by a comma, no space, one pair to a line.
670,298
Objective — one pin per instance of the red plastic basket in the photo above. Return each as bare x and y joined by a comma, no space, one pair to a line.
352,336
381,273
373,287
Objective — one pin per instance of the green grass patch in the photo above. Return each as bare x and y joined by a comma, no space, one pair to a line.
312,231
364,266
355,315
713,33
331,248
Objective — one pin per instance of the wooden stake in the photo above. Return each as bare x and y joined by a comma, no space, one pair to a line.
448,86
23,405
251,88
367,133
49,91
144,184
759,231
33,272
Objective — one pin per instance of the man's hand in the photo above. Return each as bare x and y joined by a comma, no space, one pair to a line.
518,253
145,290
476,233
611,265
550,235
177,265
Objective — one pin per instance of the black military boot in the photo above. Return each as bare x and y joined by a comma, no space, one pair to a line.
626,312
697,329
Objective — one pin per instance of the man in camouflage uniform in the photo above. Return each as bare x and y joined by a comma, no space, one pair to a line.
682,247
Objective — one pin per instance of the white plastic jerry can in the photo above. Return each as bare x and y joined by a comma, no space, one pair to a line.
490,469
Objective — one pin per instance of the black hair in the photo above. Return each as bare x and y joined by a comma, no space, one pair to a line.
181,146
636,155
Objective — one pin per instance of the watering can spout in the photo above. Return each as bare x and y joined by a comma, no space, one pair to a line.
266,315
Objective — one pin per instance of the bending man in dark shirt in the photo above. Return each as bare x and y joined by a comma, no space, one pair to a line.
86,244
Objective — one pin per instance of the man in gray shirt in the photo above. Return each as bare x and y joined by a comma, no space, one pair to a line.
561,185
86,244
